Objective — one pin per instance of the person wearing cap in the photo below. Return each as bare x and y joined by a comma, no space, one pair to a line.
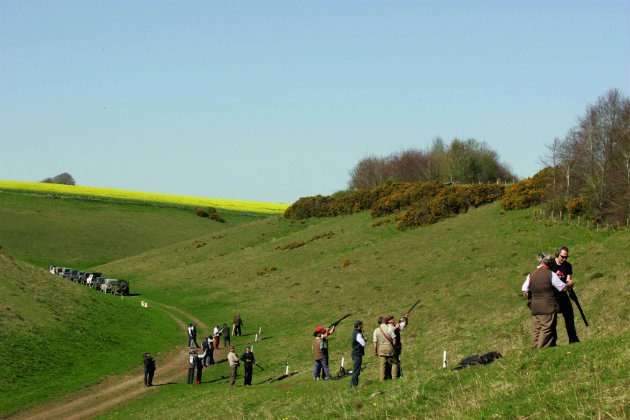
384,340
234,364
319,355
149,369
325,333
357,344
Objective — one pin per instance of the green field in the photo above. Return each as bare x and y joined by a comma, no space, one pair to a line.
466,270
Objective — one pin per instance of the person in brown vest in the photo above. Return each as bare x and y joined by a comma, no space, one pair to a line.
320,356
384,340
542,287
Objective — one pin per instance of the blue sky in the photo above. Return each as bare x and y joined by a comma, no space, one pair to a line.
274,100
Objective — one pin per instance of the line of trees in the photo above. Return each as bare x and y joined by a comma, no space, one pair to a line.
462,161
591,164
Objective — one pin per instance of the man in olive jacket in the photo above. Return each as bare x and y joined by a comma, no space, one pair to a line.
543,286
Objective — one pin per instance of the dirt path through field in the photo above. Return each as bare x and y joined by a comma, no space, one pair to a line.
119,390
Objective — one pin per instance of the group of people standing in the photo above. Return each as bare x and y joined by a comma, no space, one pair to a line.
387,347
547,289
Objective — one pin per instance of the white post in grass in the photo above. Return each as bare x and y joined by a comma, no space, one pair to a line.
286,372
444,360
259,330
251,349
256,338
342,359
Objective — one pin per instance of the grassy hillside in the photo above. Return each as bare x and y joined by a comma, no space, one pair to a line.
57,337
467,270
82,233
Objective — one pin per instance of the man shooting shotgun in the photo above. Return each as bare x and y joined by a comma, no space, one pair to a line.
397,327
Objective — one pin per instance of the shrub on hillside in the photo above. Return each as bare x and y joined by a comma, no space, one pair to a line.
291,245
307,207
528,192
216,216
577,206
201,213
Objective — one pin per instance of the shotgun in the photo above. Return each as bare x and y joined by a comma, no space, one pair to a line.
574,298
334,324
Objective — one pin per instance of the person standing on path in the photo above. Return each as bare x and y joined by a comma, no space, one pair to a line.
192,363
357,344
562,267
198,359
149,369
248,360
234,364
217,337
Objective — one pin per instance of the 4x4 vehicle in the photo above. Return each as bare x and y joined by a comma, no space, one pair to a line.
116,286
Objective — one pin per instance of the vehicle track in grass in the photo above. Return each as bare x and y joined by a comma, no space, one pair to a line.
116,391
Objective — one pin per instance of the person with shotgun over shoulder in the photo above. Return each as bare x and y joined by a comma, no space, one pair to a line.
384,340
248,360
562,267
542,287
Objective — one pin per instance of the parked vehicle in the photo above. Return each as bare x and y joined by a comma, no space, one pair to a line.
115,286
95,280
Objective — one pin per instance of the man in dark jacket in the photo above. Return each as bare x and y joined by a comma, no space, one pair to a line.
357,344
562,267
149,369
248,360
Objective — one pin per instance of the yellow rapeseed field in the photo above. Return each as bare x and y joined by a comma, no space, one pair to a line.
113,194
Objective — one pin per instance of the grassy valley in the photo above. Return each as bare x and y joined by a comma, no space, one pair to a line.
466,270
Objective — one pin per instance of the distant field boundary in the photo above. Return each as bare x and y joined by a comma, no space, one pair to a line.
133,197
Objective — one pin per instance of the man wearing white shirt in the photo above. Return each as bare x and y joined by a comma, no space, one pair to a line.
357,343
542,287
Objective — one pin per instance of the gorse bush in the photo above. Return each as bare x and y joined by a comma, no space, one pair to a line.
528,192
421,202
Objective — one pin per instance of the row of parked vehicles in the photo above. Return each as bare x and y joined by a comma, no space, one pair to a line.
94,280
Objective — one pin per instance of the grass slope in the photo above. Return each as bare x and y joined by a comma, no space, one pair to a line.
57,337
467,270
82,233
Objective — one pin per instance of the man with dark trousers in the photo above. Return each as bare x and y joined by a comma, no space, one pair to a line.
237,324
248,360
357,344
149,369
562,267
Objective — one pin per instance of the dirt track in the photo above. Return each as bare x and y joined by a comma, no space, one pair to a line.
119,390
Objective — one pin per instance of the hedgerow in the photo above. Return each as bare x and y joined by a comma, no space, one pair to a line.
420,203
